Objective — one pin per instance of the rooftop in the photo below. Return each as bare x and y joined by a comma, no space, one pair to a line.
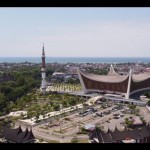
113,77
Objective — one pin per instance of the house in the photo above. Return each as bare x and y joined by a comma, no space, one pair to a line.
58,75
18,135
136,135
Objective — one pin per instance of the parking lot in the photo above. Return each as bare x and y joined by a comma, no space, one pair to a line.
105,114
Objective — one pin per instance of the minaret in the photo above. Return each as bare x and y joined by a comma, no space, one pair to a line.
129,84
43,72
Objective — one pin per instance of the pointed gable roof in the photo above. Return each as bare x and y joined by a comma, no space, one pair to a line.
11,134
109,131
116,135
125,128
116,129
29,136
22,135
17,135
112,72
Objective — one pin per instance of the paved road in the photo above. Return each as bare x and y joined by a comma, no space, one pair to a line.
48,136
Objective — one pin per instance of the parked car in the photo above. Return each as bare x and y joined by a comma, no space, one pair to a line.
115,114
116,117
106,112
99,114
123,111
94,115
99,102
121,122
109,105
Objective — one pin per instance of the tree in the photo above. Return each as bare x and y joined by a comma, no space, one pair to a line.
56,107
128,122
147,94
6,89
82,130
64,103
21,81
37,116
72,101
148,103
3,102
143,120
133,107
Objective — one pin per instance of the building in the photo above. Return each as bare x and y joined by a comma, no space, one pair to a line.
136,135
17,135
73,70
58,75
114,83
43,72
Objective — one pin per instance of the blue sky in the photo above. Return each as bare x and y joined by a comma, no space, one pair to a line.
75,32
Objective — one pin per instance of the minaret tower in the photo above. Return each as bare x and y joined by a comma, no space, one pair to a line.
43,72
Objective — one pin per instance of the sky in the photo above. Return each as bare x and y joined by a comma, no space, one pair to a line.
75,32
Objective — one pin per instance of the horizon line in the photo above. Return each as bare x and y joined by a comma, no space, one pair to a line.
77,56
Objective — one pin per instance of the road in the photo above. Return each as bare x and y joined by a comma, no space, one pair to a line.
48,136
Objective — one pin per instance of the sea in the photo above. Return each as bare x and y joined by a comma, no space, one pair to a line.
76,59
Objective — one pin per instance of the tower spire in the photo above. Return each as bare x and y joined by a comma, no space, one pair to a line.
43,52
43,57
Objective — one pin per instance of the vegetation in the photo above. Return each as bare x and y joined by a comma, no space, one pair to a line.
147,94
19,91
75,139
73,81
40,105
133,109
128,123
143,120
99,71
22,80
148,103
82,131
98,126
